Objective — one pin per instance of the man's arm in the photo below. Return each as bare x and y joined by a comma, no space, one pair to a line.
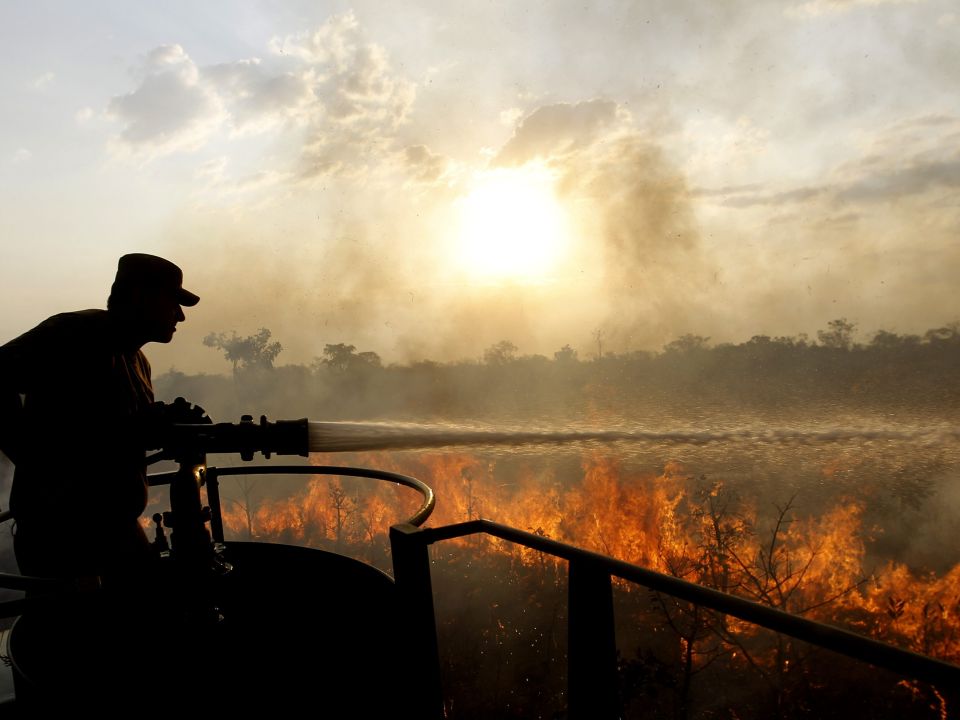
10,410
20,361
13,360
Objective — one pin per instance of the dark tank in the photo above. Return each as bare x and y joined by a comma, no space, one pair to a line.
222,626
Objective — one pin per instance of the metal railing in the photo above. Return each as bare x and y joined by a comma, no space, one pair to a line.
52,590
213,474
591,656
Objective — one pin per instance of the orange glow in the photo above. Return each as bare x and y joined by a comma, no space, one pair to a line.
810,565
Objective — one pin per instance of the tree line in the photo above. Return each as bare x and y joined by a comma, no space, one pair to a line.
889,369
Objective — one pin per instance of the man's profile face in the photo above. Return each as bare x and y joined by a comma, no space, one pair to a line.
159,314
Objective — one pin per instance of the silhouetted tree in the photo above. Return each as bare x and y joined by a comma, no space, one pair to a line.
565,354
253,351
338,357
839,336
343,508
343,358
598,336
500,354
687,343
250,502
949,333
369,359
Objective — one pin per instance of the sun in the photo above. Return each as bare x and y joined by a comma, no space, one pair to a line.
512,227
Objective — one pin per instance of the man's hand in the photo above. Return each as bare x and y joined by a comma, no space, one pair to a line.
154,423
183,413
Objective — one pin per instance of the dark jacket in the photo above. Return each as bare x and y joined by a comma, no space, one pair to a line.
80,479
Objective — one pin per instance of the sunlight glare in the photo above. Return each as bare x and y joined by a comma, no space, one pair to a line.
512,226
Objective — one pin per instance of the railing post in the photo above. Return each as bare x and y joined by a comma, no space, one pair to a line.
592,648
411,570
213,497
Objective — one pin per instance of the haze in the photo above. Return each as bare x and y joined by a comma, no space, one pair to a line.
643,170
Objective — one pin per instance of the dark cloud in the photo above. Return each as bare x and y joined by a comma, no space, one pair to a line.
914,178
554,130
843,219
789,197
906,160
423,165
724,191
909,158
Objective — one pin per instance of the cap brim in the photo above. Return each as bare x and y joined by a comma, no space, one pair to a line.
187,298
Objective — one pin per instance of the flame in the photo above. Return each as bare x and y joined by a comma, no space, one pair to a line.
813,565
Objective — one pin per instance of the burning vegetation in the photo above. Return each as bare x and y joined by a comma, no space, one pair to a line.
853,531
503,607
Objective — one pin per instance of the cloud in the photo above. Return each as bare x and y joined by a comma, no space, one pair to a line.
365,99
212,171
172,109
83,115
424,166
333,85
817,8
510,116
725,191
913,177
333,43
43,81
258,99
750,199
842,220
21,156
554,130
908,159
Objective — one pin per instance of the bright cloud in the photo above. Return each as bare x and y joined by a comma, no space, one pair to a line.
338,89
43,81
258,99
814,8
172,109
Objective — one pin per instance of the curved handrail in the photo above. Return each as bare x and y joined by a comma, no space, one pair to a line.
36,584
417,519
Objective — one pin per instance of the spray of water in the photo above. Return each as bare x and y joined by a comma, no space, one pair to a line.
353,437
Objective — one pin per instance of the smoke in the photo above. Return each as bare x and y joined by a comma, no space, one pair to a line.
653,267
339,225
367,261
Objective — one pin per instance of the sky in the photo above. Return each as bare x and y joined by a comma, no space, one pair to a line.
425,179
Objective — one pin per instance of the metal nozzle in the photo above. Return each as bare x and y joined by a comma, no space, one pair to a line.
284,437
